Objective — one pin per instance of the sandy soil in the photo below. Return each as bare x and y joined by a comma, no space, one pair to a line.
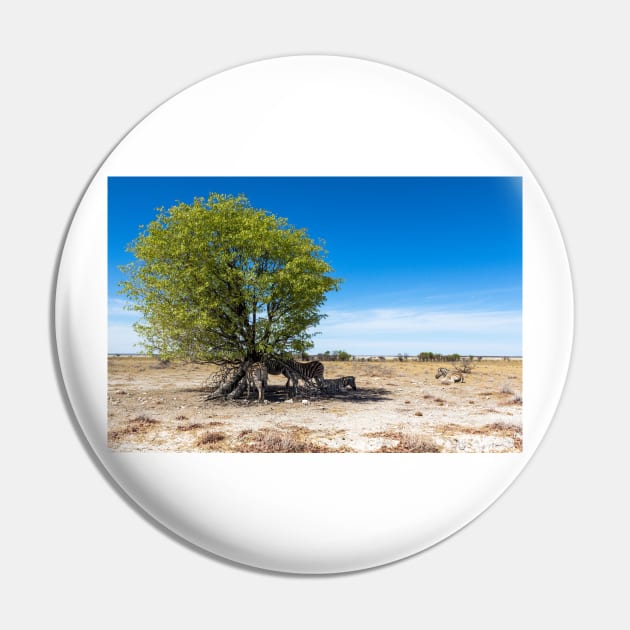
398,407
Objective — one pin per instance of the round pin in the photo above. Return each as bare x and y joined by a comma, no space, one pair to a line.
314,314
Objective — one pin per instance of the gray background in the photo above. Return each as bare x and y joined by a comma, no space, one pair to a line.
551,77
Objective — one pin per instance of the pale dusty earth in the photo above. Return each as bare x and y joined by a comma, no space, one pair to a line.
397,407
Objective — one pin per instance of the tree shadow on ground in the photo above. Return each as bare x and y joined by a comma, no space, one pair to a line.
361,395
278,393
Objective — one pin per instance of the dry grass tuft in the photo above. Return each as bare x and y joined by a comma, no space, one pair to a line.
144,420
494,429
501,427
406,442
115,436
291,440
191,426
518,441
411,443
209,439
140,425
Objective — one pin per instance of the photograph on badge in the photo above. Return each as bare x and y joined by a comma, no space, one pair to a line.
315,314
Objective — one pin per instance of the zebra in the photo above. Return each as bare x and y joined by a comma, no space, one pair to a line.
335,385
456,376
257,376
295,370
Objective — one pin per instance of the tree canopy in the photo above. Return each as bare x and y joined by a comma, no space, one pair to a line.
219,280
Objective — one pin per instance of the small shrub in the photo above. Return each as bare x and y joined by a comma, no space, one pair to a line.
292,440
209,438
406,443
410,443
137,426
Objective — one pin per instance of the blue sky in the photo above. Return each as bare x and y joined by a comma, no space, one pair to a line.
429,263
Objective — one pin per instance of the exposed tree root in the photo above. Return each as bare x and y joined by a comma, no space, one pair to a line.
229,382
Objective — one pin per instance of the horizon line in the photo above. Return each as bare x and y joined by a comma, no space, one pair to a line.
394,356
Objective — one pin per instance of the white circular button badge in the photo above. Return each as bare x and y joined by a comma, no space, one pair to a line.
314,314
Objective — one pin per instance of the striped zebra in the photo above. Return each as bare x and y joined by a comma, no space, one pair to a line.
257,376
295,370
336,385
456,376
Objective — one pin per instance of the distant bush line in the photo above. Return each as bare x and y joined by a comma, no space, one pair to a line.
342,355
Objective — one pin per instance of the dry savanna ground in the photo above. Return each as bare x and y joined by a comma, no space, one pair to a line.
398,407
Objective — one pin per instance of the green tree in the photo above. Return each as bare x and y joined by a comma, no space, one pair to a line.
220,281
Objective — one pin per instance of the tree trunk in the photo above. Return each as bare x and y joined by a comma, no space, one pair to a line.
238,390
234,384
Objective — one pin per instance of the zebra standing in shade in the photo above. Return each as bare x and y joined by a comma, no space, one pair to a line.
257,378
456,376
295,370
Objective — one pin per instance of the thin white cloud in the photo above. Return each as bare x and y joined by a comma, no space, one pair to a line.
416,321
385,331
393,330
122,339
116,310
